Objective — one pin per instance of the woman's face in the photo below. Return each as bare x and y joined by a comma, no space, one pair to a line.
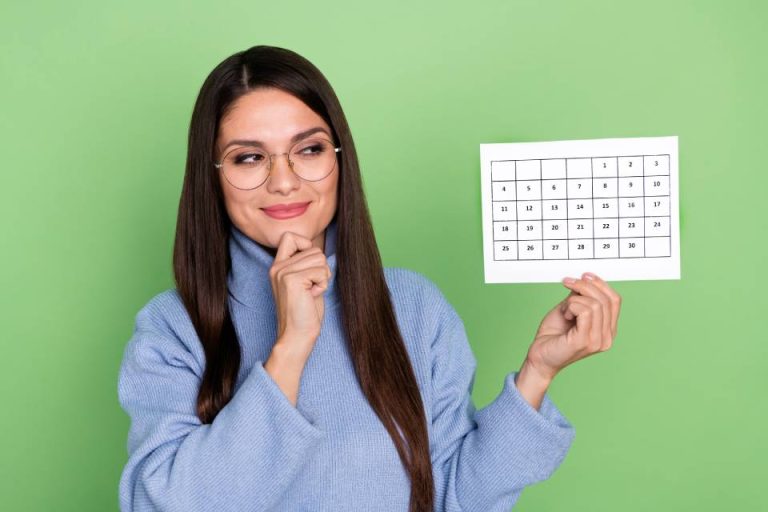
272,117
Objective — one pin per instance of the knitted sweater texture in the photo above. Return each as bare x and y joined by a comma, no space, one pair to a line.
330,452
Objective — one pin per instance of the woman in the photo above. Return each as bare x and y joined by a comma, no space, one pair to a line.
288,370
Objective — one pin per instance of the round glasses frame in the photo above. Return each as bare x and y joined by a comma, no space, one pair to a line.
220,164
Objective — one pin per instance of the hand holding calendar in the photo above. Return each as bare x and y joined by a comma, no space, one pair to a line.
582,324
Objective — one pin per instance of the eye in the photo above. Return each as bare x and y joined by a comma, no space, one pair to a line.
311,149
249,158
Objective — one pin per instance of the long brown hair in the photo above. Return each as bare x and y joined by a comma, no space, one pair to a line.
201,260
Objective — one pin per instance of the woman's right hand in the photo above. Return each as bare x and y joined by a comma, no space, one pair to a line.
299,277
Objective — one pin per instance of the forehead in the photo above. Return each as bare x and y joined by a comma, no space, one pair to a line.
267,114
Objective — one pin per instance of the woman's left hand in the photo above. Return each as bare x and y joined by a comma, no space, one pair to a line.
582,324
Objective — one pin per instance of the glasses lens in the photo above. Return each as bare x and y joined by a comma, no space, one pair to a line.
246,168
313,159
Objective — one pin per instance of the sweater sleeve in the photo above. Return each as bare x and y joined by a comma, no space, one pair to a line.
244,460
482,459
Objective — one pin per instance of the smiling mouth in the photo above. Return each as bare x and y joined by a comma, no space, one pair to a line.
286,207
286,211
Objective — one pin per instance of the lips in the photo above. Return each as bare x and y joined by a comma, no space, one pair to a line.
286,211
286,207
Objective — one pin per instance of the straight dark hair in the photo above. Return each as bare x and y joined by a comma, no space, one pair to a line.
201,260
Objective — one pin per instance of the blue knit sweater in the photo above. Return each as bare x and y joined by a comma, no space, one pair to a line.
330,452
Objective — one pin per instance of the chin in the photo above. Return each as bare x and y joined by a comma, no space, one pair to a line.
300,228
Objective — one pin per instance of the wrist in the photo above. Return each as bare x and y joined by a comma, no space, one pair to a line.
531,385
531,377
289,354
285,365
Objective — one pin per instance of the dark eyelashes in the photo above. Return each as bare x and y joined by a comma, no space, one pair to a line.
316,150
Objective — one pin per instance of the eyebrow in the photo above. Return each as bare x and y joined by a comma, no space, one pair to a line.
295,138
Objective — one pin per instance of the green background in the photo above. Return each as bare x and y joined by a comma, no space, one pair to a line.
96,101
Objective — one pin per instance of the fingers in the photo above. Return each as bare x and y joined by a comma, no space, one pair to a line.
302,259
613,297
313,258
606,307
598,290
289,244
587,289
314,279
589,321
293,255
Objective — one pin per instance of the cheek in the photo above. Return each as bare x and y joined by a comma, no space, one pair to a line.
330,191
241,205
328,197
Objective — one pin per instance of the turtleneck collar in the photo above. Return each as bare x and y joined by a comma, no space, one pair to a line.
248,279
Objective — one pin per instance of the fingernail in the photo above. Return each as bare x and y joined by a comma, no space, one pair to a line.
569,280
589,276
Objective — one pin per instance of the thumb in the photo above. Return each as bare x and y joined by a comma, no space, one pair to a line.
564,303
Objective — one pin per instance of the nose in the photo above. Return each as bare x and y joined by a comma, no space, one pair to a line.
282,179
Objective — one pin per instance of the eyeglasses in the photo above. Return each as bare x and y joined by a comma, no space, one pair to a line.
247,168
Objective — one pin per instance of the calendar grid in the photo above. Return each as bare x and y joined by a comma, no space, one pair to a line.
567,216
541,212
592,177
618,209
644,255
518,178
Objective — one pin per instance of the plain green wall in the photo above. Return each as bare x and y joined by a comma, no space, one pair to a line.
96,100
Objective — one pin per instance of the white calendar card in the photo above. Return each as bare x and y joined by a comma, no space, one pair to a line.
560,208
